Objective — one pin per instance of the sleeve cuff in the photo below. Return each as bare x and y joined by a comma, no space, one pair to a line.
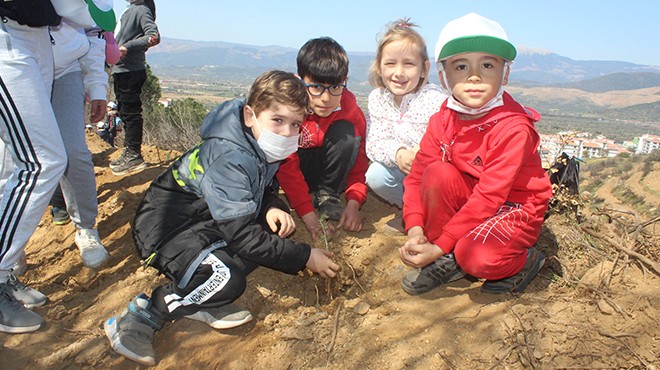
304,209
445,242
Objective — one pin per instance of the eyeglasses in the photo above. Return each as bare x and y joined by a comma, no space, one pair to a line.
319,89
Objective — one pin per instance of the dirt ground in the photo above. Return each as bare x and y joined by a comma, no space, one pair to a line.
590,307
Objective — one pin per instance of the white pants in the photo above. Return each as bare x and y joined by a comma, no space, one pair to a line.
34,157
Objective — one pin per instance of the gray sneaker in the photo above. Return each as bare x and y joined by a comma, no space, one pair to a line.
224,317
442,271
129,161
131,334
24,294
14,317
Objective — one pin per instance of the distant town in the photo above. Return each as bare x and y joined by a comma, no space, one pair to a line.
583,145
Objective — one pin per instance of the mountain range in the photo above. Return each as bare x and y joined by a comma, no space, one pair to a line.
239,62
617,99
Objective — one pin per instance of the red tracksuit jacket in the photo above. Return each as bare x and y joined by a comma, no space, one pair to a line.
500,150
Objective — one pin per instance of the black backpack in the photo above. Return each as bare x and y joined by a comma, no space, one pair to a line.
565,179
33,13
565,173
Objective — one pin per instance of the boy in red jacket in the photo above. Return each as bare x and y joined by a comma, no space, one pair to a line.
331,157
476,194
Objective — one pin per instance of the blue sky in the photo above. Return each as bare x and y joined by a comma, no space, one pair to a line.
578,29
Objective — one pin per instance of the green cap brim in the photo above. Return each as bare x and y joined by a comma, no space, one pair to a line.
104,19
478,44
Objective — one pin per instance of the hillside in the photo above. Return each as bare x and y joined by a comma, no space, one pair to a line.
616,82
593,306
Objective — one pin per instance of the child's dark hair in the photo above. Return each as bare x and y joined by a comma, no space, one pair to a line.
400,30
323,60
278,87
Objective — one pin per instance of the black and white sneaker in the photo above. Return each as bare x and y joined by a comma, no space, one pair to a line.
442,271
518,282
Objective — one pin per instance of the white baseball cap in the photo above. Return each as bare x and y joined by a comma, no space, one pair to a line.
473,33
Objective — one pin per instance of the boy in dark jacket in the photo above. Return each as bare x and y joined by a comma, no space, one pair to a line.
211,218
332,158
476,194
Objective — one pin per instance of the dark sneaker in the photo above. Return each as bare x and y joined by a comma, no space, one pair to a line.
225,317
328,205
60,216
129,161
24,294
442,271
122,158
131,334
518,282
14,316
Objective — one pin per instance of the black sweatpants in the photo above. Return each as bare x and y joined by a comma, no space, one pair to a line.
327,167
128,87
174,230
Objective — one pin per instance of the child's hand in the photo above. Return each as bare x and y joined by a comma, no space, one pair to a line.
416,231
321,263
286,223
122,52
350,219
418,252
97,110
404,158
314,226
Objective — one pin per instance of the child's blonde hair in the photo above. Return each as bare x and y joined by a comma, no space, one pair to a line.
399,30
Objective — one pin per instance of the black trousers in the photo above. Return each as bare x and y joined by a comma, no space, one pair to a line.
178,227
128,87
327,167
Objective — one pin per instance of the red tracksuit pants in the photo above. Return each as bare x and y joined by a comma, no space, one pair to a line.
495,249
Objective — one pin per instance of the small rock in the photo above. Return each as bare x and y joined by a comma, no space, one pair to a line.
605,308
361,308
265,292
298,334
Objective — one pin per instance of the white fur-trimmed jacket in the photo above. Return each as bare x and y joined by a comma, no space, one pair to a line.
81,49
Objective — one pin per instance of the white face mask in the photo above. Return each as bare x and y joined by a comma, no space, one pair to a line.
453,104
276,147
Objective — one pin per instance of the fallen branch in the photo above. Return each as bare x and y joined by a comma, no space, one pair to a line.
616,337
530,355
653,265
55,359
335,329
508,352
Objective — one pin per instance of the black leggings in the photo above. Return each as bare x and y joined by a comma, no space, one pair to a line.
327,167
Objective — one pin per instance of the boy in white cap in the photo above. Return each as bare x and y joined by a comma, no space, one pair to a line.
476,194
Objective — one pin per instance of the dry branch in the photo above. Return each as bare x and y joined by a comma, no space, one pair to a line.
653,265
